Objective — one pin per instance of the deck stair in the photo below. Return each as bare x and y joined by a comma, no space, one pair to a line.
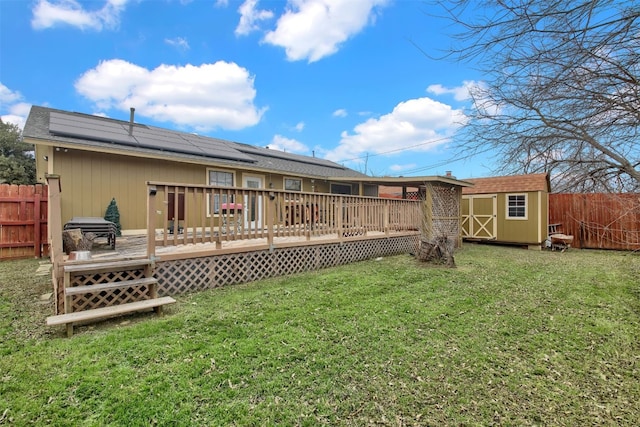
98,290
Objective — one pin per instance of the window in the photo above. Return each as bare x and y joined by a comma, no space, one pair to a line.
516,206
222,179
341,189
292,184
371,190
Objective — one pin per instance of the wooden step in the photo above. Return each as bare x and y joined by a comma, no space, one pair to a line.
99,287
104,312
102,267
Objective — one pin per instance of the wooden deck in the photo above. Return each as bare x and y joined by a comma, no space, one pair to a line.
135,246
278,233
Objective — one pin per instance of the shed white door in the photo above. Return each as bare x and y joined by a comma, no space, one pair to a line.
479,216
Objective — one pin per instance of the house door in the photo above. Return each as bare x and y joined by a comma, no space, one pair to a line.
253,203
479,217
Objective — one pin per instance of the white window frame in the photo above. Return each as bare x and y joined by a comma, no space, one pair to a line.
233,177
526,206
287,178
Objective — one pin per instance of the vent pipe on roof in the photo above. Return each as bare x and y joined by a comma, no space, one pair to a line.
133,112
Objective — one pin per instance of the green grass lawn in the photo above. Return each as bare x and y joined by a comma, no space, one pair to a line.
510,337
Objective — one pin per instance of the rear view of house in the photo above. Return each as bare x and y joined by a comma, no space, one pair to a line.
507,209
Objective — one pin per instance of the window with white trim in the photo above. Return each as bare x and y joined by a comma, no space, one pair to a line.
221,179
516,206
293,184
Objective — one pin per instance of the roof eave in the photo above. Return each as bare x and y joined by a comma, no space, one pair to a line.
415,181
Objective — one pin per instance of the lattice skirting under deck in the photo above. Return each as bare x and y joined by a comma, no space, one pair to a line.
194,274
111,297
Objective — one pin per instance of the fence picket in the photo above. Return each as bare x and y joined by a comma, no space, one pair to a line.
23,221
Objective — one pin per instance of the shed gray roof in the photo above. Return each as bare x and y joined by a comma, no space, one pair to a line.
93,133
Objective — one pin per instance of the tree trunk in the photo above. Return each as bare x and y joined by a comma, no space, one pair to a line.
437,251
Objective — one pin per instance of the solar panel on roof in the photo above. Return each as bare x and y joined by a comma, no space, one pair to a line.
291,157
85,127
100,129
216,148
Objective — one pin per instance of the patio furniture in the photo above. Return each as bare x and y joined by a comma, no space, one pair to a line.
100,227
231,214
171,227
558,241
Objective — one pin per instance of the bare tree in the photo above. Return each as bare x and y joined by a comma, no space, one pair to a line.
561,93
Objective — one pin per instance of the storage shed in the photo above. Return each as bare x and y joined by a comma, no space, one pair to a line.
507,209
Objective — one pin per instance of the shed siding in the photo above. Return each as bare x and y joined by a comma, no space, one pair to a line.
517,230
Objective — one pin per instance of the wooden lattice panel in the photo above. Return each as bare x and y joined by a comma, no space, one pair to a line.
90,301
445,211
180,276
109,298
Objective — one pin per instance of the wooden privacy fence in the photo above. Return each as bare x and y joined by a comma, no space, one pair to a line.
23,221
598,220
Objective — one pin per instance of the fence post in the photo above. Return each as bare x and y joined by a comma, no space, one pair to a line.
55,237
37,233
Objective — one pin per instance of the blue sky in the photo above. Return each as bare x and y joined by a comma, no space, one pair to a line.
338,79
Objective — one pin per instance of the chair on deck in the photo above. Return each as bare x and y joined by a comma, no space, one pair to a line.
231,214
171,227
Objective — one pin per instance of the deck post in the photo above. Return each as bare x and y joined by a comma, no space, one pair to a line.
151,221
339,214
386,213
55,239
271,212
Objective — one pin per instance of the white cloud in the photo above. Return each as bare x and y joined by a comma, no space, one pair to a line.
178,42
417,124
400,168
281,143
470,90
13,119
299,127
460,93
314,29
204,97
340,113
7,96
14,110
47,14
250,15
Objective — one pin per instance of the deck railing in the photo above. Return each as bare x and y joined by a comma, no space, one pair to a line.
180,214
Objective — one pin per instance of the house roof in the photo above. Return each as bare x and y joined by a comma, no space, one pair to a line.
406,181
66,129
508,184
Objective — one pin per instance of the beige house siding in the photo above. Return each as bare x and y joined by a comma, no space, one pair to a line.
90,180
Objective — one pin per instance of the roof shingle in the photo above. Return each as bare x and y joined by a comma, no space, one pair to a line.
508,184
38,127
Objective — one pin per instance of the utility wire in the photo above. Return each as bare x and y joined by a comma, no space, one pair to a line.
444,162
396,150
